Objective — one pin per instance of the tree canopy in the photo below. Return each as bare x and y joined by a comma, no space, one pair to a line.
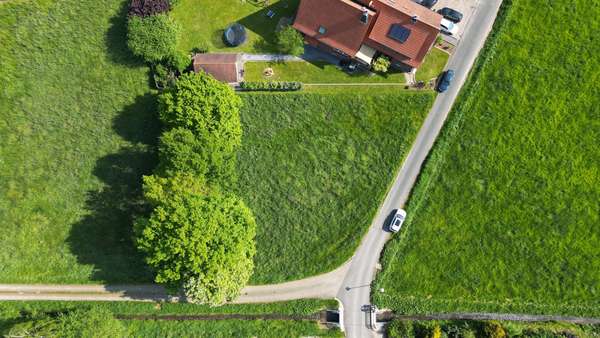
180,150
207,107
153,38
290,41
197,237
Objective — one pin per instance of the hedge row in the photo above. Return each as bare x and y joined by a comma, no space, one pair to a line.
144,8
273,86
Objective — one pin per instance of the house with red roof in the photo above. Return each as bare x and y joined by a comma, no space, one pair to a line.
361,29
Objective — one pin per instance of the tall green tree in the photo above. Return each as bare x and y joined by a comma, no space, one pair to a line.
153,38
180,150
197,237
207,107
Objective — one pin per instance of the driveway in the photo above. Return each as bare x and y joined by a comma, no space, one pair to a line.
466,7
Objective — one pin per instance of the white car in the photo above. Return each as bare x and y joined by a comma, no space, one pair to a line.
397,220
449,27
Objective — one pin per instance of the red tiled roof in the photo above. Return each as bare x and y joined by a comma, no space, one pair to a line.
340,18
345,32
222,67
422,33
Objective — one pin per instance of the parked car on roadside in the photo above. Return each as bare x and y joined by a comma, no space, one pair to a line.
445,80
451,14
448,27
426,3
397,220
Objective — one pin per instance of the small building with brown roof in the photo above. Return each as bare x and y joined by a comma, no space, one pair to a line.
223,67
359,29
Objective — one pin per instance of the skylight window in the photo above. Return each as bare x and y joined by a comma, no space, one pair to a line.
322,30
399,33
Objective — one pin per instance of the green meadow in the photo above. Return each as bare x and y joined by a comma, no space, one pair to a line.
505,216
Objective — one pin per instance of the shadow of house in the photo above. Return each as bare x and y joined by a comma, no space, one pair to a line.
103,238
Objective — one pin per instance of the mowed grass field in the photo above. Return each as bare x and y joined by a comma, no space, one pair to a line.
314,72
314,168
506,215
204,21
77,124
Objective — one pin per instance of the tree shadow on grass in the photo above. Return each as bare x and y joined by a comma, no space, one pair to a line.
116,40
103,238
264,26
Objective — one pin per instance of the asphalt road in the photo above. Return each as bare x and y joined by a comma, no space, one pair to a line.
355,290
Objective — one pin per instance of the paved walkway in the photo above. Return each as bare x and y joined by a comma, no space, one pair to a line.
310,54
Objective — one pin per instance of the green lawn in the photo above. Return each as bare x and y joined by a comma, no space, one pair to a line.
203,23
433,65
314,72
506,215
13,312
314,168
77,126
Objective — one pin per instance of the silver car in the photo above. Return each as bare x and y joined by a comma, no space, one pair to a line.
397,220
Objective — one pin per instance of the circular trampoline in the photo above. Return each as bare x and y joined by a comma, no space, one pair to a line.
235,35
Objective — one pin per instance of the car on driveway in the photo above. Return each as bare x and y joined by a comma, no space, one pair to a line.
426,3
448,27
445,80
397,220
451,14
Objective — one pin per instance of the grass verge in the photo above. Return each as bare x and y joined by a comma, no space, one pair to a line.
12,312
433,65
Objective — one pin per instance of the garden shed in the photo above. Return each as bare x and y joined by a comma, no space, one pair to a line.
222,66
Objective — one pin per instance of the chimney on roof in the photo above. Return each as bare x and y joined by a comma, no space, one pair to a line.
364,18
414,19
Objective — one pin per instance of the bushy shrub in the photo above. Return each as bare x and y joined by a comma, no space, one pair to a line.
93,322
144,8
179,61
382,64
163,77
207,107
494,329
271,86
180,150
201,47
290,41
197,237
400,329
153,38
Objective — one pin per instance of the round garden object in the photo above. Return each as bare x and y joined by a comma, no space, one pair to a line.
235,35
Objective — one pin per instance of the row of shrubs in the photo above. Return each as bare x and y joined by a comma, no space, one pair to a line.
280,86
485,329
199,237
153,36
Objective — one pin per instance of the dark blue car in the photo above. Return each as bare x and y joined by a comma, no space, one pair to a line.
445,80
